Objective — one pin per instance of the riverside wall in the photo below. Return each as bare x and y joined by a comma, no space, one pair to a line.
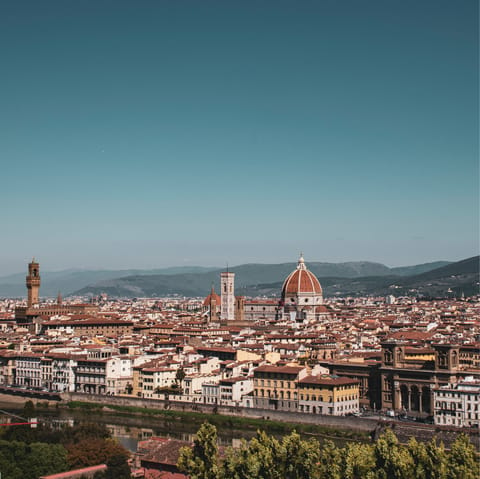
339,422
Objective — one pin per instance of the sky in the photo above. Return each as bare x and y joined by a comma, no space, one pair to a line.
144,134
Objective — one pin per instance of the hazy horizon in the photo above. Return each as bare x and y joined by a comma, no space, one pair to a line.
159,133
78,269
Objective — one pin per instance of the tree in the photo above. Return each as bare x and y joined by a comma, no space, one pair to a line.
44,459
91,452
117,467
264,456
329,464
180,375
201,461
30,461
29,409
236,464
462,461
300,458
430,460
392,461
357,461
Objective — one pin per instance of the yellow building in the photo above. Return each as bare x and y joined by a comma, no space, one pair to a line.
328,395
137,381
275,387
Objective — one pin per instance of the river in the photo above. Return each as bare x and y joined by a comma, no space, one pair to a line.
130,429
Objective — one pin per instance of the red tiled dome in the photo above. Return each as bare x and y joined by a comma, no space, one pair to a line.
301,281
211,296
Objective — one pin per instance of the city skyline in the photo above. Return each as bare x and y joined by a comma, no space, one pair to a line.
173,134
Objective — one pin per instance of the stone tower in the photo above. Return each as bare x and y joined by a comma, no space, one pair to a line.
228,296
33,283
240,308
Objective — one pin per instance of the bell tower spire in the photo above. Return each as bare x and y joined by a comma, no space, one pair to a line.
33,283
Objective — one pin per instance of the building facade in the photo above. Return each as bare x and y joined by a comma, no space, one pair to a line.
334,396
458,404
275,387
26,315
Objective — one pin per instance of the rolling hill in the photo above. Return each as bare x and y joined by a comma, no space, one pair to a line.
347,279
351,278
450,280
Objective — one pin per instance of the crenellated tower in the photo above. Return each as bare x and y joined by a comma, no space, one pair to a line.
33,283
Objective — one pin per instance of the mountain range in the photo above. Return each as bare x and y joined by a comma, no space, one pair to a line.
451,280
70,280
351,278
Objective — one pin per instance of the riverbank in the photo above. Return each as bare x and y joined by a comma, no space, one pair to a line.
403,431
346,427
171,416
222,422
168,414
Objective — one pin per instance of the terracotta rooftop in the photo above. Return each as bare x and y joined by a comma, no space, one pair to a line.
327,381
161,450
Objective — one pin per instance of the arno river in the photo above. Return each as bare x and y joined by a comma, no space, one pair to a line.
130,429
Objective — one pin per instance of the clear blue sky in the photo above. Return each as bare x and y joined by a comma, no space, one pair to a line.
158,133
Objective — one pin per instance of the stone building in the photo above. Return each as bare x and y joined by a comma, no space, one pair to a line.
403,377
212,307
275,387
90,327
334,396
90,376
27,315
458,404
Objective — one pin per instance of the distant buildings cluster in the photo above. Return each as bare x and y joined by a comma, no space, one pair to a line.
301,354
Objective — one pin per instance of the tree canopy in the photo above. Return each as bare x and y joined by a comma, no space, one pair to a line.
30,453
265,457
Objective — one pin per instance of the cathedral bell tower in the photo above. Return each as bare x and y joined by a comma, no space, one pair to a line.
33,283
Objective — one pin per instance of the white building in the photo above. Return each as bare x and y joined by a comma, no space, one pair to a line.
28,370
210,392
156,378
63,373
118,374
232,390
47,373
458,404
